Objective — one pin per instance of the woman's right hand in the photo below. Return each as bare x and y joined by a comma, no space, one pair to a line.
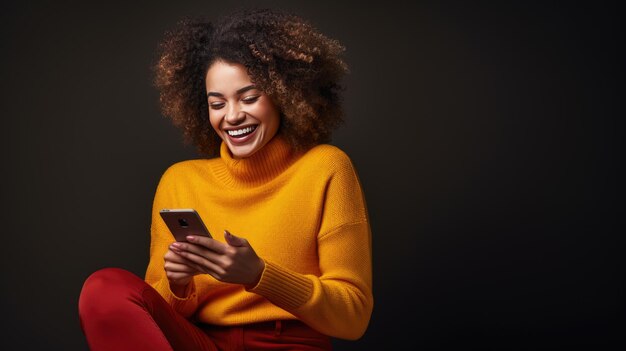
179,272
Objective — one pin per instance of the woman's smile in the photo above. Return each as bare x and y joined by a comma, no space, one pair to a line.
242,135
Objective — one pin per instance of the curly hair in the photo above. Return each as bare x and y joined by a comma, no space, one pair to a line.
298,67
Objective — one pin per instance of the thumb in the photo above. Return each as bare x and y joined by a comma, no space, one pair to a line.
234,240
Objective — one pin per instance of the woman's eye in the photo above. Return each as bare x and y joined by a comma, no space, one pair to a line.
251,99
217,105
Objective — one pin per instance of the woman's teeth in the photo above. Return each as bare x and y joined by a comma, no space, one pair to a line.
241,132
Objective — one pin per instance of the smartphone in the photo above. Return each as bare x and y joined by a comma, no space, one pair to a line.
184,221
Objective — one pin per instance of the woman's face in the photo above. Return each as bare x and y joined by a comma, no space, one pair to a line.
243,116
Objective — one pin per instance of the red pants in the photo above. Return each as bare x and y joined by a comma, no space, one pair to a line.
119,311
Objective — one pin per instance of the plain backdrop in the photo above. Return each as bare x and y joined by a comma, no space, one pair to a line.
486,135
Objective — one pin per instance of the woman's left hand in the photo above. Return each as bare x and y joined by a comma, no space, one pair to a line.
234,262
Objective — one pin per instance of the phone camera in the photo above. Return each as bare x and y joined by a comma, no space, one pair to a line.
183,222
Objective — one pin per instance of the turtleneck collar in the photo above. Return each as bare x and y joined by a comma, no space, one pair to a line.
264,165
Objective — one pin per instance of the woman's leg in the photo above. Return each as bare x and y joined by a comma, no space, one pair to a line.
274,335
119,311
285,335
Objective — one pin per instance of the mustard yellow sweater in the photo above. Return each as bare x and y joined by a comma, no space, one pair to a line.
303,213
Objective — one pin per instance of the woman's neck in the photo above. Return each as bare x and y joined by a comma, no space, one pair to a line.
262,166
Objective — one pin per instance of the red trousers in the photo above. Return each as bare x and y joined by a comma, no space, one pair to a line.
119,311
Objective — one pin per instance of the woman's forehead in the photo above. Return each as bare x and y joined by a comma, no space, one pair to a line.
227,77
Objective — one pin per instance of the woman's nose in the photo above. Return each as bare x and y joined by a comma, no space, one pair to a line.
235,116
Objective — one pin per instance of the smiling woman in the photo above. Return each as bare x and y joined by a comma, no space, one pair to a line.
259,90
287,59
245,118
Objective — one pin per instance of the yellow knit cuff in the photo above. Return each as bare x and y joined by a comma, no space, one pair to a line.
283,287
190,292
185,305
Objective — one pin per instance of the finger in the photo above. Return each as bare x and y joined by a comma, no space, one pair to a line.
173,255
233,240
203,263
178,277
177,267
209,243
193,267
190,267
198,250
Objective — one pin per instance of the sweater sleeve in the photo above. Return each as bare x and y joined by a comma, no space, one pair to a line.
339,301
160,239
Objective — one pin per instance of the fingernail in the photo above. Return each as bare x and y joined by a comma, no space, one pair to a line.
191,238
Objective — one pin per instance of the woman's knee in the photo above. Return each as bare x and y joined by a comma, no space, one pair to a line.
106,288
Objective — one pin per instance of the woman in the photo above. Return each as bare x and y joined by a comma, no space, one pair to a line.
259,90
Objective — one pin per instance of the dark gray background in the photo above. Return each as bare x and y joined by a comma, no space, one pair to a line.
486,136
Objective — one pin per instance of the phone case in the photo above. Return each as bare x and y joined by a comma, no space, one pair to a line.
184,221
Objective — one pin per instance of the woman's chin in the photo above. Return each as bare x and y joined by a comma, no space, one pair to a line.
249,147
243,151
